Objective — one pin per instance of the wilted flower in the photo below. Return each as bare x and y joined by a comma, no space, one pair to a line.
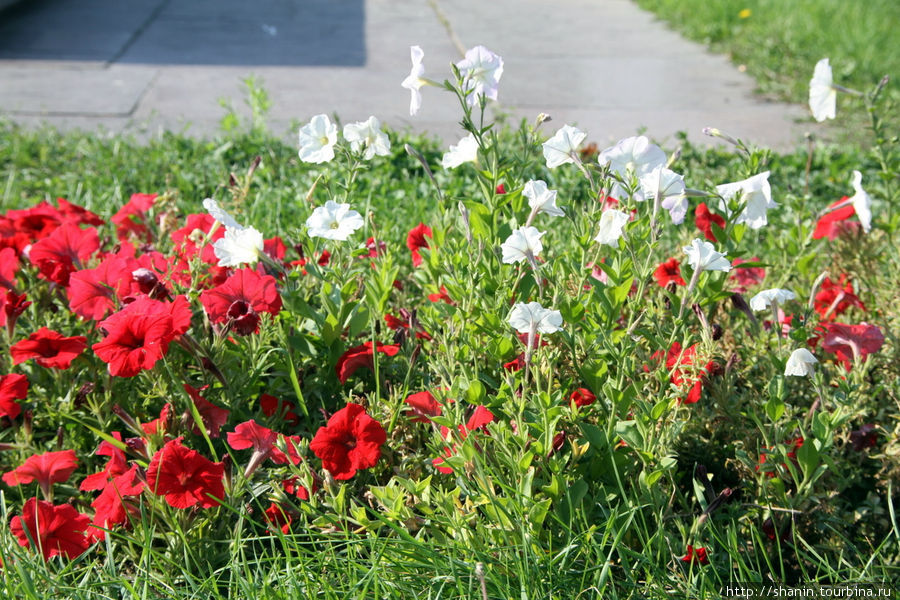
801,363
561,148
523,244
756,196
466,150
534,318
822,94
317,140
368,137
765,298
481,70
333,221
414,80
612,224
541,199
703,256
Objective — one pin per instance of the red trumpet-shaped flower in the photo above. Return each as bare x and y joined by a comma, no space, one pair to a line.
835,223
50,348
695,555
848,342
351,441
111,507
12,387
239,301
422,407
47,468
64,250
361,356
185,477
416,239
704,219
669,272
53,529
479,420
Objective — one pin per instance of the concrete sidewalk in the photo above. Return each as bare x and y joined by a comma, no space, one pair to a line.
144,66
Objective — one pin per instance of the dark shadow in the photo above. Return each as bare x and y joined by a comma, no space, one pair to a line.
187,32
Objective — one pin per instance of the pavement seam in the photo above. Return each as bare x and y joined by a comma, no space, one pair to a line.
442,17
138,32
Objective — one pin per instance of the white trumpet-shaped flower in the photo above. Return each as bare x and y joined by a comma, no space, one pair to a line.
703,256
669,186
756,196
765,298
368,137
561,148
481,70
240,245
612,226
333,221
862,203
801,363
822,93
415,80
522,244
541,199
317,140
533,318
466,150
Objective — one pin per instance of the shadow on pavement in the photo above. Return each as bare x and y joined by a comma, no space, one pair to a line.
187,32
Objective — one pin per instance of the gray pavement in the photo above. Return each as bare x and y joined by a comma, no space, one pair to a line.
144,66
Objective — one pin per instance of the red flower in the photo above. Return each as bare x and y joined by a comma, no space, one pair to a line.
12,387
361,356
115,466
161,424
794,444
441,296
187,240
834,223
684,371
47,468
9,266
395,324
582,397
111,508
239,300
185,477
131,218
349,442
695,555
704,219
51,349
270,406
500,189
13,306
213,417
277,516
262,439
479,420
748,276
92,292
416,240
55,529
375,249
72,213
849,341
423,405
835,298
64,250
668,272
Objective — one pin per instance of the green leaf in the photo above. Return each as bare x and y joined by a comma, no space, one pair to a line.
629,431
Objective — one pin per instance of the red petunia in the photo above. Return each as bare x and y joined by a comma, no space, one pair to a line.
422,407
213,417
397,324
376,249
441,296
685,371
115,466
111,506
239,301
12,387
415,240
704,219
834,223
161,424
270,406
189,239
9,266
47,468
480,418
50,348
263,440
746,277
185,477
582,397
668,272
835,298
848,342
131,218
276,516
92,292
55,529
59,254
695,555
361,356
793,444
351,441
13,305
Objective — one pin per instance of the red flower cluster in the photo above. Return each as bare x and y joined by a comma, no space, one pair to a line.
56,530
848,342
12,387
423,406
351,441
669,272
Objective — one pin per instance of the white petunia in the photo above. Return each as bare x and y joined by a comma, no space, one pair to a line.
317,140
612,224
534,318
541,199
333,221
822,94
703,256
219,214
522,244
862,203
669,186
238,246
561,148
801,363
466,150
368,137
765,298
481,70
414,80
756,196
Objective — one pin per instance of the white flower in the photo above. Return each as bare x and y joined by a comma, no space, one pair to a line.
801,363
367,135
522,244
238,246
765,298
822,95
317,140
669,186
219,214
862,203
612,224
414,81
534,318
333,221
560,149
703,256
466,150
481,70
756,196
633,156
541,199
